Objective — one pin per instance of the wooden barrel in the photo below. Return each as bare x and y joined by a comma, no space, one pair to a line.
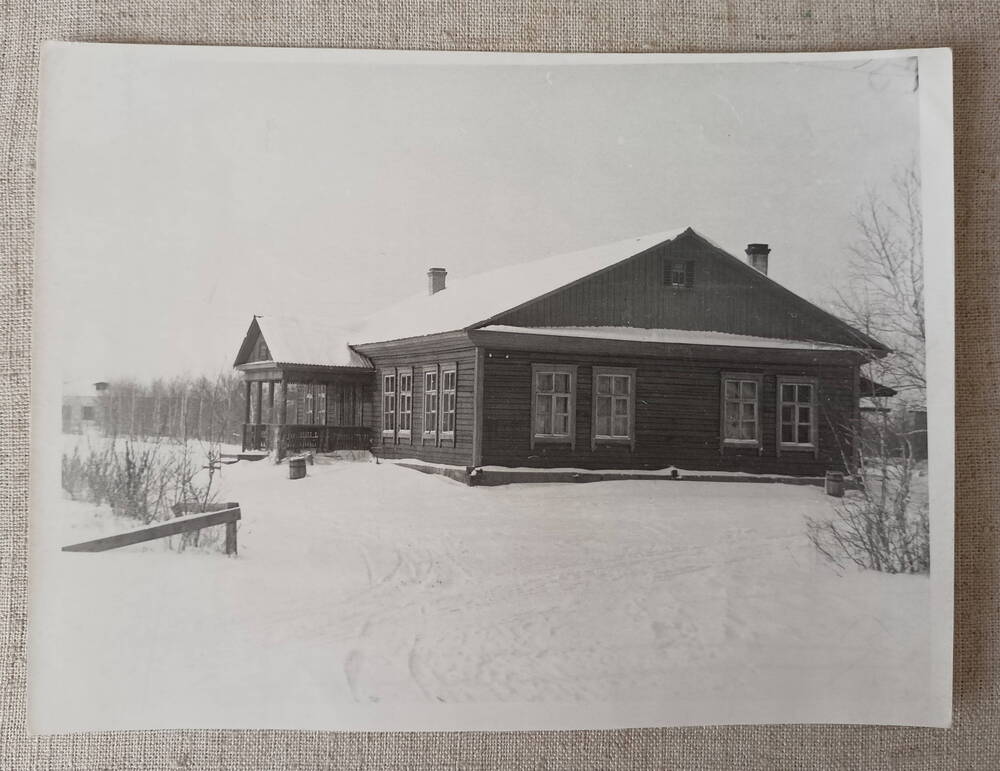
835,484
296,467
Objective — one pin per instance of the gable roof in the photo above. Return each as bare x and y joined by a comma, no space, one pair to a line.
864,340
476,299
301,340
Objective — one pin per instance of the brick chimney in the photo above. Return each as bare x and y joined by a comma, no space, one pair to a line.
757,257
435,279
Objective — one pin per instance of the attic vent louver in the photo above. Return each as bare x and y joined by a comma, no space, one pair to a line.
678,274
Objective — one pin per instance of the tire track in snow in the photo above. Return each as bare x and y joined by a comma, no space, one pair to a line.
352,669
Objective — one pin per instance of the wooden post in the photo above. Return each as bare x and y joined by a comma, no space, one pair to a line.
279,421
231,538
246,407
282,403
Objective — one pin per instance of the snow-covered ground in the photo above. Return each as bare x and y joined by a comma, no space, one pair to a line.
365,591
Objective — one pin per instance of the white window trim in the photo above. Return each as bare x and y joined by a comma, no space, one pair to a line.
388,432
432,435
404,433
813,444
597,439
570,438
447,435
754,377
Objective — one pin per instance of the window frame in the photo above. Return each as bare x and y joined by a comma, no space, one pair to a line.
383,392
430,435
445,436
813,444
561,369
309,405
742,377
319,404
404,433
598,439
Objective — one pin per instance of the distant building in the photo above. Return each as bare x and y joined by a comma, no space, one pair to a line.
81,405
654,351
882,409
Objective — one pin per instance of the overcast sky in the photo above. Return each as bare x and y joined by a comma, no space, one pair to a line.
180,194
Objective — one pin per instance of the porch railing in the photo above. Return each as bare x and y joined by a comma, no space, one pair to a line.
301,438
205,515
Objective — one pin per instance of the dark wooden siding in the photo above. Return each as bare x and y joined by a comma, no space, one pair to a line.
677,415
419,354
725,296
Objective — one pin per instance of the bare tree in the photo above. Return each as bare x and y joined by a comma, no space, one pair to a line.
182,408
884,294
883,525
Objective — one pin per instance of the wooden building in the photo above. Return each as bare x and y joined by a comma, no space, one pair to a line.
657,351
82,406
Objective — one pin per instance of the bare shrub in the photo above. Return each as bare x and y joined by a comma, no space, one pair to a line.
74,480
883,525
138,479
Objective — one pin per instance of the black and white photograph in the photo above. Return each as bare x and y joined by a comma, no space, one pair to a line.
427,391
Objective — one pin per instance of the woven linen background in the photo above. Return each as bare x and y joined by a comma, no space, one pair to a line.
972,29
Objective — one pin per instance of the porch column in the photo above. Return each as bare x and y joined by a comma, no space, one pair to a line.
281,398
258,417
279,413
246,406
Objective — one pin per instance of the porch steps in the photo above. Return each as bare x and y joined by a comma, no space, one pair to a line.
229,458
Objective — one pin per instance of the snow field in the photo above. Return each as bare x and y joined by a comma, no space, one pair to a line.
366,586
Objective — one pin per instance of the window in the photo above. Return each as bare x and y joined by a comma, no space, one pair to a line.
553,403
614,406
741,409
388,403
292,397
309,406
320,419
405,402
797,413
88,413
430,404
678,273
449,381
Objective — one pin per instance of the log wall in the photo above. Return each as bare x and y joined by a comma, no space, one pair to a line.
677,414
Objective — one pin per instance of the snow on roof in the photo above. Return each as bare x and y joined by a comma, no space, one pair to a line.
477,298
80,387
677,336
308,340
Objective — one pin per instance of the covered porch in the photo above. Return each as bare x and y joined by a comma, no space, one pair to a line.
292,410
306,389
